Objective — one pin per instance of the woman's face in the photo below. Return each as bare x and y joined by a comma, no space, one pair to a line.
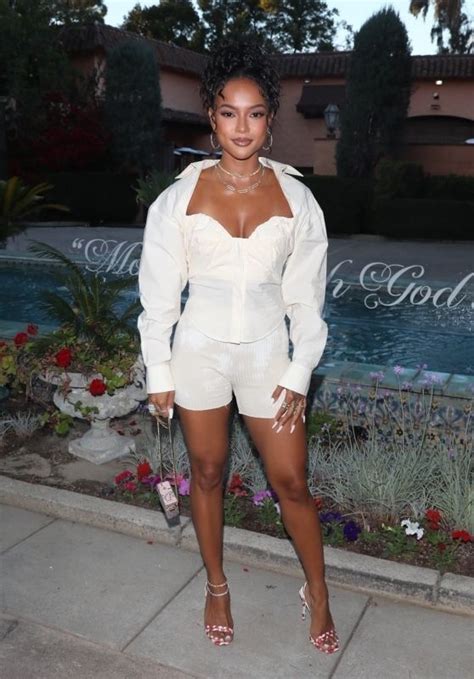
240,118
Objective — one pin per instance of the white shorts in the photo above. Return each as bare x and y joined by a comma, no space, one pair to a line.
207,371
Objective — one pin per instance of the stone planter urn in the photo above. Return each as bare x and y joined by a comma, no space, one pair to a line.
100,443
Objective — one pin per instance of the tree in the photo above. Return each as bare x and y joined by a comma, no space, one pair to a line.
173,21
133,104
299,25
77,11
449,18
33,61
279,25
377,94
234,18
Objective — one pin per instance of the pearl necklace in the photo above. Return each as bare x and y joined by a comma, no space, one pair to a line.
232,188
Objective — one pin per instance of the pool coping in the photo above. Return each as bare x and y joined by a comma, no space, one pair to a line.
451,385
424,586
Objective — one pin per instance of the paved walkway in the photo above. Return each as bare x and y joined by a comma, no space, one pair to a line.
82,602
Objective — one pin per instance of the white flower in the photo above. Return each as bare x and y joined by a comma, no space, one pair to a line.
412,528
277,507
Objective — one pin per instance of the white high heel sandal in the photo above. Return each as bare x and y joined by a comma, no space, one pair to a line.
219,641
326,642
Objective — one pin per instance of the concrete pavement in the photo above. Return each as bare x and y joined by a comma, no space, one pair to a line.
80,601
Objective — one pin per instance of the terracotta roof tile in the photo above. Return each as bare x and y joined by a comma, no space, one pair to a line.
89,37
336,64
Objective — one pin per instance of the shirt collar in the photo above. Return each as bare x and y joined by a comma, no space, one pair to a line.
277,167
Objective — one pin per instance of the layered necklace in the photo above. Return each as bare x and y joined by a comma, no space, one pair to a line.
218,167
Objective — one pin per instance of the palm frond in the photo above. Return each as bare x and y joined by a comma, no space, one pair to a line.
57,307
46,251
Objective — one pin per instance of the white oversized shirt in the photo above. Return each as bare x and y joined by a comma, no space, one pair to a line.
240,289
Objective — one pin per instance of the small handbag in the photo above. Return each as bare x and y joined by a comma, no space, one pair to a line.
169,499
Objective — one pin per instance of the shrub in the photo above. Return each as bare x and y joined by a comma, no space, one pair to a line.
344,201
398,179
423,218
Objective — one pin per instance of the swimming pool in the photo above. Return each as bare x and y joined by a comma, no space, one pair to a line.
407,334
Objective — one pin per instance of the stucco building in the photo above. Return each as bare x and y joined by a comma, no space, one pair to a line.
439,124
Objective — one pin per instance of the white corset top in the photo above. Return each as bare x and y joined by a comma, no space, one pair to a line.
240,289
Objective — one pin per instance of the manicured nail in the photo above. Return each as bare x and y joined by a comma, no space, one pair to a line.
274,424
171,411
279,428
304,418
292,428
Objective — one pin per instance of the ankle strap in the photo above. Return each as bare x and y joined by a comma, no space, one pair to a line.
206,589
210,583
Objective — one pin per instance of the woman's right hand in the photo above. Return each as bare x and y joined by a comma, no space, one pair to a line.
163,402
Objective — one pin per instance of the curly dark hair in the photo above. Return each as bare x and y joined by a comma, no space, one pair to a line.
240,58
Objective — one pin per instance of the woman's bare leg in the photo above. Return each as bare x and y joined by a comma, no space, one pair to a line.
284,456
206,433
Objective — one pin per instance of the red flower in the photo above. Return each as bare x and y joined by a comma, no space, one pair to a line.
236,486
433,516
63,358
32,329
130,486
123,476
20,339
97,387
461,535
441,547
318,501
143,469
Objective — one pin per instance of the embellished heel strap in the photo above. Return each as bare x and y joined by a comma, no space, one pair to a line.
226,591
210,583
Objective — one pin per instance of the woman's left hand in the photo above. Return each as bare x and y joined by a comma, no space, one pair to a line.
296,407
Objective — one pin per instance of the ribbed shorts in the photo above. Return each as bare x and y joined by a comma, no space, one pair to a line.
207,372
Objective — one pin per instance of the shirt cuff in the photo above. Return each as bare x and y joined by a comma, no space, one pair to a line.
159,378
297,377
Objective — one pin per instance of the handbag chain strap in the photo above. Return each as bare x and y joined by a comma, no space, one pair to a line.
167,425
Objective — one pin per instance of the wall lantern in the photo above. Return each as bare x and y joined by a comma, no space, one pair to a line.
331,118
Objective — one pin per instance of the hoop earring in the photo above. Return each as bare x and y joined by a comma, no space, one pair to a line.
269,142
214,146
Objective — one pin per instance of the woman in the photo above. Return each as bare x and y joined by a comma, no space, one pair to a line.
251,240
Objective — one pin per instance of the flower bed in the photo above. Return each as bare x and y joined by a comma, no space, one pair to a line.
390,479
429,542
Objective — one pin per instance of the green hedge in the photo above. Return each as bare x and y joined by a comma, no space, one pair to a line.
345,202
423,218
95,197
450,186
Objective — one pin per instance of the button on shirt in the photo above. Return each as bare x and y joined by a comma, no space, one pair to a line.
240,289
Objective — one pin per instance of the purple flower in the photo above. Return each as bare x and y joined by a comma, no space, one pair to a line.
151,480
184,487
259,498
274,496
351,531
327,517
398,370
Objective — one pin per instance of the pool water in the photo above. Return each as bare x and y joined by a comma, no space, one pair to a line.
406,334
